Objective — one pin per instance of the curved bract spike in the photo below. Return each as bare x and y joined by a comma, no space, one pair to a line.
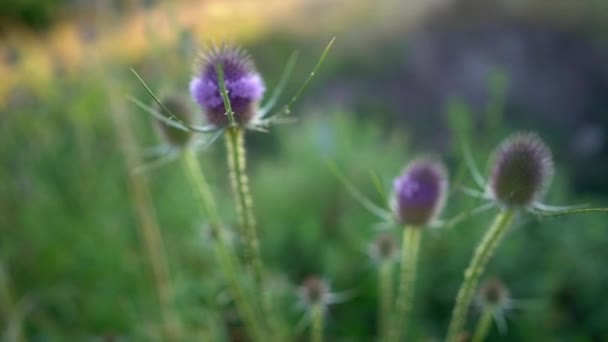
286,108
551,208
204,143
501,321
285,75
155,98
377,184
473,169
340,297
472,192
169,157
156,151
204,128
175,123
465,215
357,195
541,214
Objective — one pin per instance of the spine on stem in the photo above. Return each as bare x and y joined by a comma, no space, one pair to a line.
237,164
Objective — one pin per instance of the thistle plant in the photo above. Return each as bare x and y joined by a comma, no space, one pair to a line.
316,296
521,170
494,300
228,88
419,196
184,144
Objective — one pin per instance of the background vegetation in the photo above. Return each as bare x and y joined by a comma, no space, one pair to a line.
72,265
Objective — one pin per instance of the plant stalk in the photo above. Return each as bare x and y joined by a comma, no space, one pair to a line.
237,164
316,330
405,296
483,326
386,298
227,260
473,273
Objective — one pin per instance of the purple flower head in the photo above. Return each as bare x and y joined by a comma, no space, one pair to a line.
244,85
521,170
178,107
419,193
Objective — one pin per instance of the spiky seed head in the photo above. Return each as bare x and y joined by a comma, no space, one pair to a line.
314,290
494,294
522,169
419,193
178,107
244,85
384,247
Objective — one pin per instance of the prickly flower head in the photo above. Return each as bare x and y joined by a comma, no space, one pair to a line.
179,108
314,290
521,170
493,294
419,193
244,85
384,247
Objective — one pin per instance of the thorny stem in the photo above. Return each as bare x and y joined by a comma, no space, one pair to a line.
386,298
235,146
483,326
227,261
316,329
409,261
237,164
473,273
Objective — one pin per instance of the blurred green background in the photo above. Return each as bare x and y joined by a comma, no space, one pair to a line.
404,78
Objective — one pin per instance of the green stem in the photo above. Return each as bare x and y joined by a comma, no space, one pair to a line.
316,330
228,262
386,298
483,326
473,273
409,261
237,163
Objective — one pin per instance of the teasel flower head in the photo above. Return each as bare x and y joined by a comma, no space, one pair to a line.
179,109
384,247
419,193
522,169
493,294
244,85
314,290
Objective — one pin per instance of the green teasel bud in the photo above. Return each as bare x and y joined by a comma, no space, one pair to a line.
493,294
384,247
522,169
314,290
179,108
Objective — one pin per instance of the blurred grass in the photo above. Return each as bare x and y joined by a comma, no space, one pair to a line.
68,233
